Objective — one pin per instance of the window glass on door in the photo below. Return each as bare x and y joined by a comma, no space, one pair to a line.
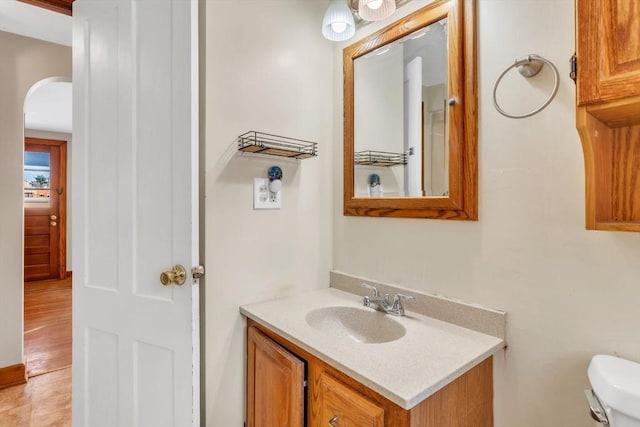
37,178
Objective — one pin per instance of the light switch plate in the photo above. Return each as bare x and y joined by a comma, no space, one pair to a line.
263,198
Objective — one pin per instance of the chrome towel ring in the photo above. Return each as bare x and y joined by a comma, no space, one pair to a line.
528,67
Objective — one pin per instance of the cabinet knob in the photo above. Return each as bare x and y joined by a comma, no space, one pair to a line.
333,420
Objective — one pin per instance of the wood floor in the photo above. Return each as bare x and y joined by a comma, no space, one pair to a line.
46,398
45,401
47,326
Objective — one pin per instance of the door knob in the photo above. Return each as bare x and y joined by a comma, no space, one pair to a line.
53,217
333,421
176,276
53,223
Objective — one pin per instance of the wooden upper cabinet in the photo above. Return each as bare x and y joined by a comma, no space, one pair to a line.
608,111
340,406
608,50
275,384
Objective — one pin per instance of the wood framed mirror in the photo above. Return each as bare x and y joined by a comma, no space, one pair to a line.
410,130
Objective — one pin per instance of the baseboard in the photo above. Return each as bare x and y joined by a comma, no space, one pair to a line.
13,375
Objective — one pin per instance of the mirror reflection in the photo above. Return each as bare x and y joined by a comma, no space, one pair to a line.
401,146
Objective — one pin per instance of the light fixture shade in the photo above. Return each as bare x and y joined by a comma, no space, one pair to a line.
338,24
384,10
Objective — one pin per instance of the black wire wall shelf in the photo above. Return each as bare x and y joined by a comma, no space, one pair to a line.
276,145
379,158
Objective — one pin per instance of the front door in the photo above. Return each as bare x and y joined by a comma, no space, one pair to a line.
135,213
45,180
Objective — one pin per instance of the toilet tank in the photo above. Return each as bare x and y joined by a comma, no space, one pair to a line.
616,382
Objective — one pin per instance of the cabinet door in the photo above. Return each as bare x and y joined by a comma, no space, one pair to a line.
275,384
608,50
340,406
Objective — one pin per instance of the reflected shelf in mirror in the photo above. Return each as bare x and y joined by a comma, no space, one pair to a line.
379,158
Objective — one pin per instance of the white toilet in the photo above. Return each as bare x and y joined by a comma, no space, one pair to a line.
615,395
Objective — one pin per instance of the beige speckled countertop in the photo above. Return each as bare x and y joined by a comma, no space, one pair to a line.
430,355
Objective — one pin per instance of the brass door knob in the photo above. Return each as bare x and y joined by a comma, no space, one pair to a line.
176,276
53,223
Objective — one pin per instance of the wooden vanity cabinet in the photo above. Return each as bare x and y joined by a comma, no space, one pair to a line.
275,384
465,402
608,110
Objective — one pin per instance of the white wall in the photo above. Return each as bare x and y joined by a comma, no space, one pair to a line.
267,69
569,293
377,92
413,136
24,62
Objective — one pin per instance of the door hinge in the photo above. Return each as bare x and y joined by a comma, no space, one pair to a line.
197,272
574,67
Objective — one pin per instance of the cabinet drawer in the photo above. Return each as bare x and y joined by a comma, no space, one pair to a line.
341,406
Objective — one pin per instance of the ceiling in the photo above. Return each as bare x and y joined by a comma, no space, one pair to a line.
48,108
32,21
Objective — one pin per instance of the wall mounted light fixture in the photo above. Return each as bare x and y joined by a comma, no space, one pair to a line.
376,10
343,16
338,23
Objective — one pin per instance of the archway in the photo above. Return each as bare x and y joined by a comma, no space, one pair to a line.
47,131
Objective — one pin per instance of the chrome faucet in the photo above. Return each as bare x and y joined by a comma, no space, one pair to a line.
384,304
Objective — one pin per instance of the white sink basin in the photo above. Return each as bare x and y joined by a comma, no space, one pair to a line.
359,325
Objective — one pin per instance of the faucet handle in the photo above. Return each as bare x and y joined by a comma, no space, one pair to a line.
373,289
397,301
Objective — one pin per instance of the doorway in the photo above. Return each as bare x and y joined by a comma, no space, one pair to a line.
45,212
47,279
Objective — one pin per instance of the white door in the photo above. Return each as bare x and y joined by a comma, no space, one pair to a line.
135,156
413,118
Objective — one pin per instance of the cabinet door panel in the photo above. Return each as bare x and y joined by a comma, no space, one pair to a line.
345,406
608,50
275,384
